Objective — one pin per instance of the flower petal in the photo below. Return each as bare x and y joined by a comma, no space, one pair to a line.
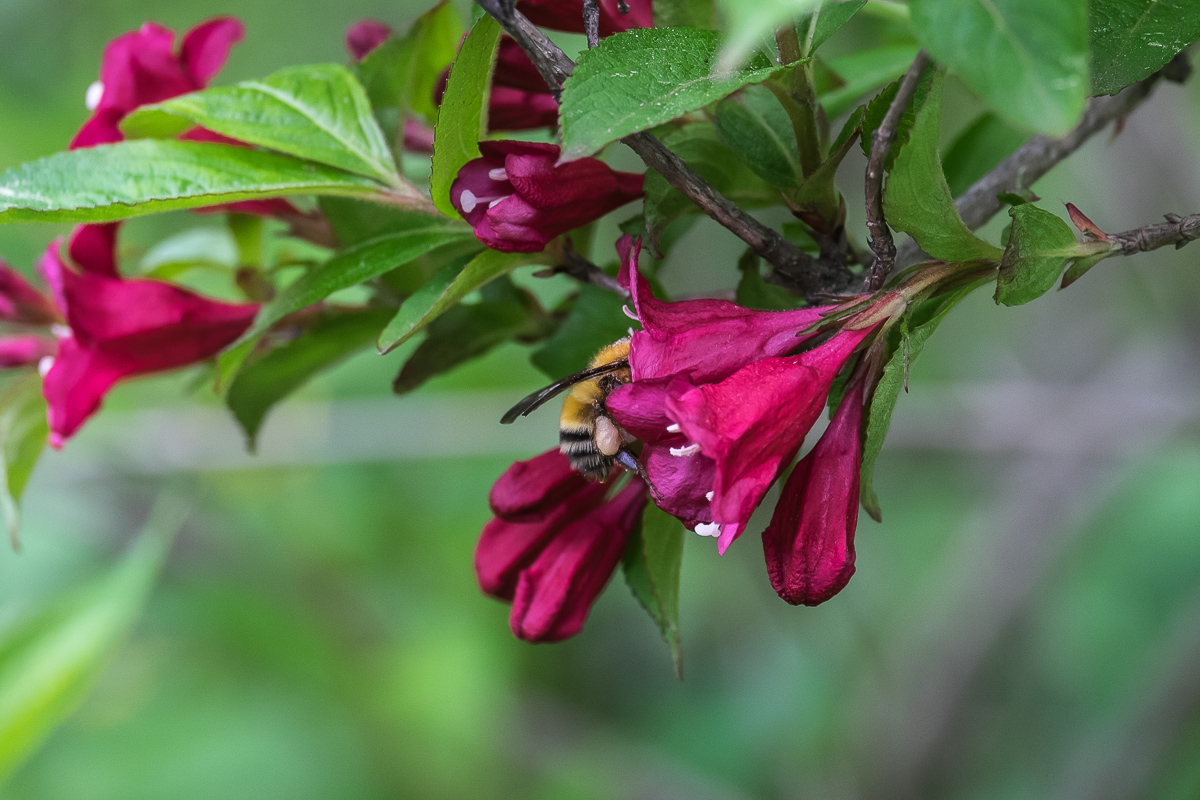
206,47
529,490
555,593
809,544
753,422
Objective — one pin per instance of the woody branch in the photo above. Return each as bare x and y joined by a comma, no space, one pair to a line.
808,275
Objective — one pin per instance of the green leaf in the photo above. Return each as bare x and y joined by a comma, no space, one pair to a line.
818,194
404,70
51,656
317,112
1026,59
462,120
356,221
984,144
23,432
917,200
130,179
449,285
862,72
925,320
877,109
1038,250
756,127
834,14
351,267
652,567
685,14
267,380
595,320
699,146
465,332
1080,266
642,78
1133,38
754,292
751,22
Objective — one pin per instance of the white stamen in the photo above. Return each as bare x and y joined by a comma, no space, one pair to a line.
708,529
673,427
629,313
709,497
468,201
498,174
60,331
689,450
45,364
93,96
498,201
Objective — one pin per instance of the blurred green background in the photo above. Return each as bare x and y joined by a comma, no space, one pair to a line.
1024,624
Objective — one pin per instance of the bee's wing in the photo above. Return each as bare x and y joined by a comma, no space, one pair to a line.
539,397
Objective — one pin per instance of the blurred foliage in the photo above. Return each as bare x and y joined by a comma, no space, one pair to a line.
1025,624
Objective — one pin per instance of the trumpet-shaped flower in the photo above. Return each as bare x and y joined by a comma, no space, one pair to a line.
117,328
809,544
517,197
143,66
553,545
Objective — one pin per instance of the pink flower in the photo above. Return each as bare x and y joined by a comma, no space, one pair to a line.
142,67
120,328
753,423
520,99
682,348
21,303
517,198
809,545
554,544
365,35
25,349
567,15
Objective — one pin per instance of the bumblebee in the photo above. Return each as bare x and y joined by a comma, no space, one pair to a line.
592,442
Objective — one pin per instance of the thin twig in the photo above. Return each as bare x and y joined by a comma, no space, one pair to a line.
585,271
807,275
1176,230
591,22
881,143
1040,154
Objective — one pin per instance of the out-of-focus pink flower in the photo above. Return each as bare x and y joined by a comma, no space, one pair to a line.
24,349
518,110
520,99
517,198
21,303
567,15
553,545
364,36
119,328
142,67
809,545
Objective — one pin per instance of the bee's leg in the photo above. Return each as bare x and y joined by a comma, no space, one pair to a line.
630,462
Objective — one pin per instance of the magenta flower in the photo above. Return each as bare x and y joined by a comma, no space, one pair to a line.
520,99
553,545
142,67
517,197
682,347
21,303
119,328
24,350
753,423
809,544
365,35
567,15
